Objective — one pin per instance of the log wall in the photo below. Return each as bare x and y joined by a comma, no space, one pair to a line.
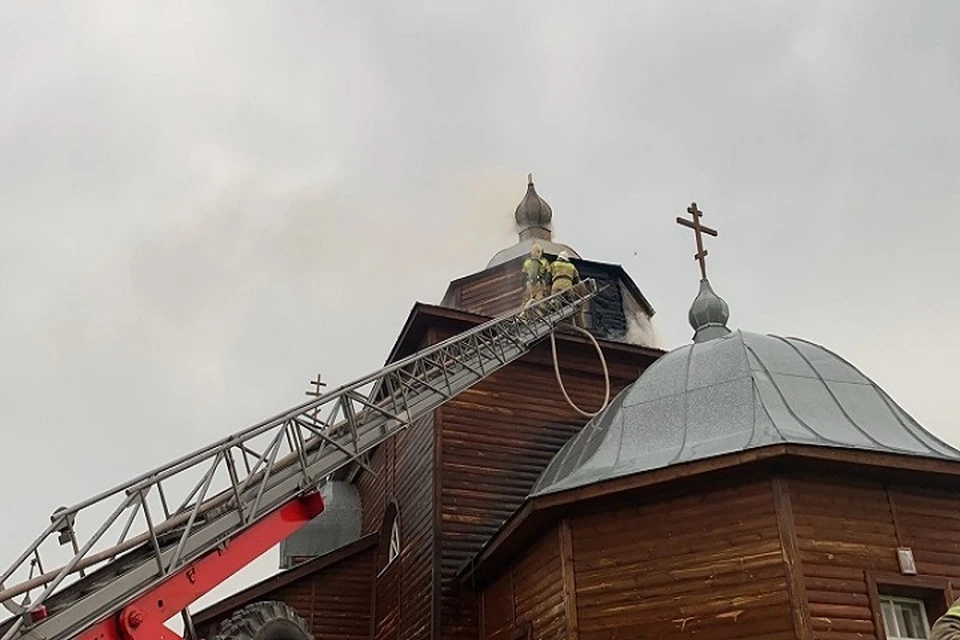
334,601
707,565
404,592
494,441
848,534
529,596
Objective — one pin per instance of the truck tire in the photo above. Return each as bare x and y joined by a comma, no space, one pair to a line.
268,620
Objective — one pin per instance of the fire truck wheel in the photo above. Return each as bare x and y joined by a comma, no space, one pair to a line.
267,620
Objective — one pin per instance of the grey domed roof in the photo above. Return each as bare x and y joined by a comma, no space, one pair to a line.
732,393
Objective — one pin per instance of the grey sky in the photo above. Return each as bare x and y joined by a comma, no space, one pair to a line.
202,206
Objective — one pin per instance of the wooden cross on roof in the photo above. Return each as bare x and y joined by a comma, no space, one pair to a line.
317,384
698,230
316,392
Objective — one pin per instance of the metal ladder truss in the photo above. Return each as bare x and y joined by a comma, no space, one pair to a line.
117,545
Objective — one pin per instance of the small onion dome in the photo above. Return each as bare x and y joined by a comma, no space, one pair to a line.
533,214
708,314
533,218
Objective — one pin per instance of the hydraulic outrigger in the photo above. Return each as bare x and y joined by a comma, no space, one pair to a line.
247,492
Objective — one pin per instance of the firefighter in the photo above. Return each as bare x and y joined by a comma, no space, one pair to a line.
536,275
947,626
565,276
563,273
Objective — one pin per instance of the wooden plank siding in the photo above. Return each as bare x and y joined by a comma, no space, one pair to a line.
501,291
707,565
405,477
498,620
529,595
413,479
495,440
387,603
459,474
842,529
337,604
928,521
538,590
796,588
334,601
848,533
373,488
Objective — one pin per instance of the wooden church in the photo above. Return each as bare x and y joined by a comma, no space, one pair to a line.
741,486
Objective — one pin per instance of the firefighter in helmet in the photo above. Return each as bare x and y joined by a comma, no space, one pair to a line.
563,274
536,275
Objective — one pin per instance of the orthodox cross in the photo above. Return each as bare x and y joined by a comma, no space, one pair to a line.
317,385
315,392
698,230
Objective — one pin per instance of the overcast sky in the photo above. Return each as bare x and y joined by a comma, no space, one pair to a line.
204,205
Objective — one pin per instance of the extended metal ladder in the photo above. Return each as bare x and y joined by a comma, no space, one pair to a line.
235,484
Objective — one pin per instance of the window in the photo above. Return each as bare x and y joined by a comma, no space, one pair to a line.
394,550
904,618
389,538
904,605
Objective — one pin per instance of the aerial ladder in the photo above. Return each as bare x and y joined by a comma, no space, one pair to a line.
138,555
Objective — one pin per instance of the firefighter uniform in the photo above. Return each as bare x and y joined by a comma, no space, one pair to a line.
947,627
536,275
564,274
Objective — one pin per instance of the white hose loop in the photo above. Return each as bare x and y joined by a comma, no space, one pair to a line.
603,363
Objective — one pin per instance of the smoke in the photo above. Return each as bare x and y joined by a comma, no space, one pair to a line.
264,255
462,222
640,327
641,331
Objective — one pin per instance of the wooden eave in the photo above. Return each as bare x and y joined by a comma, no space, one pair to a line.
416,325
271,584
539,513
424,316
513,265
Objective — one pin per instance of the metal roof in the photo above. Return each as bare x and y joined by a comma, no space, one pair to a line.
523,247
733,393
338,525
